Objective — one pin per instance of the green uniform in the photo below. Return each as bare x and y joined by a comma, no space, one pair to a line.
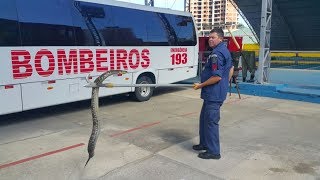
248,64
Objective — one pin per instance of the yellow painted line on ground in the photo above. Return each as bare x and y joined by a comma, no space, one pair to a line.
293,62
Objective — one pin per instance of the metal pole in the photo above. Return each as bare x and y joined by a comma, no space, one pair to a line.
111,85
264,52
146,2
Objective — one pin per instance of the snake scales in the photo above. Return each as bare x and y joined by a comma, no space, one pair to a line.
95,110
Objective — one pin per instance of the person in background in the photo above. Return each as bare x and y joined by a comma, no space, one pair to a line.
214,87
248,64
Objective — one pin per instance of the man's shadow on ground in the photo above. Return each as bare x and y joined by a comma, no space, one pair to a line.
178,137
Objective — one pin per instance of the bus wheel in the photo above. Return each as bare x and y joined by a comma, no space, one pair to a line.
143,93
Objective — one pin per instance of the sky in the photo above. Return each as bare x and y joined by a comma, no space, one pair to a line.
172,4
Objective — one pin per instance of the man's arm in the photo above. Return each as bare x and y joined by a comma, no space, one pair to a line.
231,72
210,81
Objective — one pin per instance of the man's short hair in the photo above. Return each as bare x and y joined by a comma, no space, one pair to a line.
219,32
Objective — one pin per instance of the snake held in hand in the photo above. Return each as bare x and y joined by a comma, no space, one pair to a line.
95,109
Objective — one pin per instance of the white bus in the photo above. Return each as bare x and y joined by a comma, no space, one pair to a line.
48,47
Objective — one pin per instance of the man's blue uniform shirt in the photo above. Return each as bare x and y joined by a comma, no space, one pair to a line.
218,64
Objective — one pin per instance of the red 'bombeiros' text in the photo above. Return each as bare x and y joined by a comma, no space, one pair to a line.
76,61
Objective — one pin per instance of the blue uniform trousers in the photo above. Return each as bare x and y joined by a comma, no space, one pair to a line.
209,126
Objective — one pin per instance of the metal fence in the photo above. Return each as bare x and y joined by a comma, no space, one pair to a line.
296,60
288,60
293,68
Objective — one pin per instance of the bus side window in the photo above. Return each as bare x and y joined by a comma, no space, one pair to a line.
45,23
89,21
128,31
101,25
184,29
9,26
155,30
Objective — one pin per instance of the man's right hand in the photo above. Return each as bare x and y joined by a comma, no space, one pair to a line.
196,86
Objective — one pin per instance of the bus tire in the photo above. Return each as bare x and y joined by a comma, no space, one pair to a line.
143,93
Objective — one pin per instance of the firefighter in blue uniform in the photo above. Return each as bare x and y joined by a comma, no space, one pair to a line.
214,87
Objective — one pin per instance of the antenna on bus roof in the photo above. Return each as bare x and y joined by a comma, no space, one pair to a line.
150,3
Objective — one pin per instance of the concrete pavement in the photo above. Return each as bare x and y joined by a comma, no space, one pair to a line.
261,138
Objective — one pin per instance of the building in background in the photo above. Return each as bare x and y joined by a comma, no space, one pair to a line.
213,13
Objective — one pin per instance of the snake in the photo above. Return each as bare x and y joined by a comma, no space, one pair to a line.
95,109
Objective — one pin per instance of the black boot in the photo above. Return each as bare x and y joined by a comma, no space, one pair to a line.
243,79
251,78
199,147
207,155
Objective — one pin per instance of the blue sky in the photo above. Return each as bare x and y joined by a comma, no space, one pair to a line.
172,4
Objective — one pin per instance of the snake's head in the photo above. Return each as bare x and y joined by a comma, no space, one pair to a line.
103,76
124,72
121,72
118,72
